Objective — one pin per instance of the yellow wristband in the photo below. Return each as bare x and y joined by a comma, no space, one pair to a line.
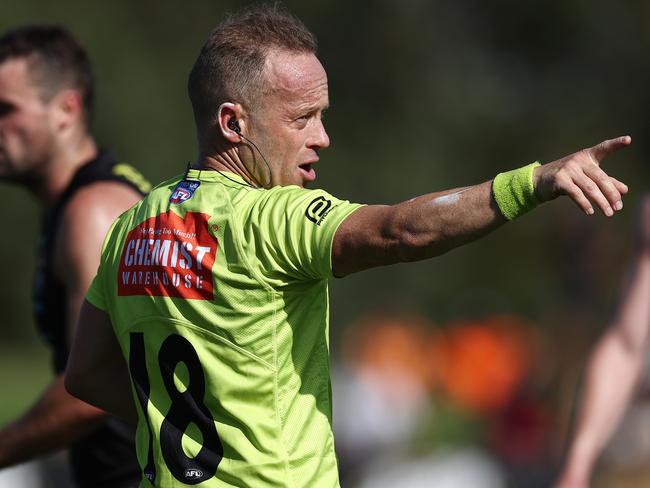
514,191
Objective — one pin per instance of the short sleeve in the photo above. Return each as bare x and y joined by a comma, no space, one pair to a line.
95,294
293,229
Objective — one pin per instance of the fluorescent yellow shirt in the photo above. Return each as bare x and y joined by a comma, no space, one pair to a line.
218,297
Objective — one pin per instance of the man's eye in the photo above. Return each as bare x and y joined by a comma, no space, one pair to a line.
5,109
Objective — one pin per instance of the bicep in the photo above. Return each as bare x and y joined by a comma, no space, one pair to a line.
96,360
365,239
86,220
94,349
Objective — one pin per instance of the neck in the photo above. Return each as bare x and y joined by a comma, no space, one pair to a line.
230,161
62,167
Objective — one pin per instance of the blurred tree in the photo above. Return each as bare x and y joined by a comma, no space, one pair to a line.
425,95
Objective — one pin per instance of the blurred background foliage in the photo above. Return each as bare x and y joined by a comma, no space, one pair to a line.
425,95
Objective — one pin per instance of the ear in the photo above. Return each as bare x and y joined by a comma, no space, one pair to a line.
68,109
230,112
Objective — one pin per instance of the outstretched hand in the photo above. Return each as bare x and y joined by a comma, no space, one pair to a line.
580,177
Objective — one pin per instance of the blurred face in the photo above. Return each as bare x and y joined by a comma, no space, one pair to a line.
287,125
26,134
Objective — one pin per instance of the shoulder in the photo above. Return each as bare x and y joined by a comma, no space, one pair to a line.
293,197
100,199
87,217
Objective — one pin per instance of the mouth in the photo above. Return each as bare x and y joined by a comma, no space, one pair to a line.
307,171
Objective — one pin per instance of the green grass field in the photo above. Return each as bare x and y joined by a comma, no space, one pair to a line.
24,371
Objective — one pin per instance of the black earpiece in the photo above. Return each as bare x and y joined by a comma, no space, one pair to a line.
233,124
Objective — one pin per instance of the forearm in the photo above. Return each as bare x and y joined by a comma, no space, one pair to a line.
97,372
420,228
54,422
114,395
612,374
433,224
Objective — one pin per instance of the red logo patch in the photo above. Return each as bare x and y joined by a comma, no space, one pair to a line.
169,256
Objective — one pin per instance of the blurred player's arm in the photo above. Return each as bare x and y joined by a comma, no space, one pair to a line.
433,224
57,418
97,372
614,367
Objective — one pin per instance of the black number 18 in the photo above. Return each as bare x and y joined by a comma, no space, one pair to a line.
187,407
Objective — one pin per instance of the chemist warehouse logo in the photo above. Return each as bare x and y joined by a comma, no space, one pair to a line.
169,256
318,209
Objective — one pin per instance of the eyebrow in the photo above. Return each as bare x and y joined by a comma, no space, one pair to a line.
310,108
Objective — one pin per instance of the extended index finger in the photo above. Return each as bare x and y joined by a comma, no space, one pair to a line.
600,151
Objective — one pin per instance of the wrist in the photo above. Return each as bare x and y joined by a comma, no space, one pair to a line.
514,191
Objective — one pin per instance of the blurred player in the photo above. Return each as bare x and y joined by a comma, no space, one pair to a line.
215,286
615,366
46,103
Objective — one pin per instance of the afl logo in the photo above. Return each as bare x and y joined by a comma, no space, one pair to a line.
180,195
193,474
318,209
184,191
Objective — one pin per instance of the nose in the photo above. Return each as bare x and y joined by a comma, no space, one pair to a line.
320,139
